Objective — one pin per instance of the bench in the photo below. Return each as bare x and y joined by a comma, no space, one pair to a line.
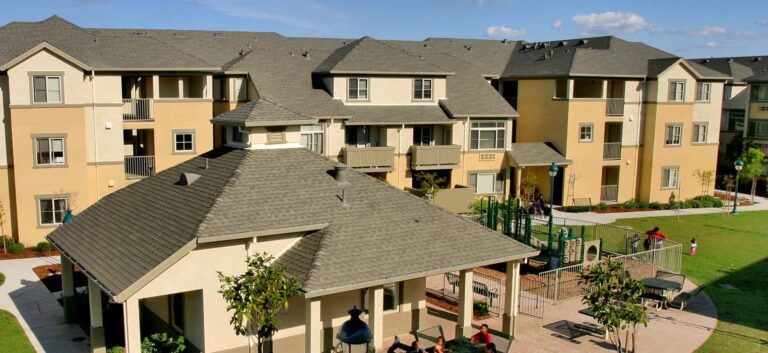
477,287
682,299
582,202
671,276
592,329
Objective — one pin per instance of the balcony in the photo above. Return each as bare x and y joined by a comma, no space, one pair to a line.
137,167
609,193
370,159
435,157
611,151
614,106
138,109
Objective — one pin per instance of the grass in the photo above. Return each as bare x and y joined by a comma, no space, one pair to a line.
12,337
731,251
2,278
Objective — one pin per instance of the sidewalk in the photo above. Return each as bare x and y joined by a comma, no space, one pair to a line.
38,312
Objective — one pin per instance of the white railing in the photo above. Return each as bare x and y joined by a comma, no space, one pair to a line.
611,151
139,166
138,109
485,288
614,106
609,193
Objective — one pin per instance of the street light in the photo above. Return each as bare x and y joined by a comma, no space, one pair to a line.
552,174
738,165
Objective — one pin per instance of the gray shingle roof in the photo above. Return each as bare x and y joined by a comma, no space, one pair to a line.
384,233
397,115
369,56
739,68
533,154
263,112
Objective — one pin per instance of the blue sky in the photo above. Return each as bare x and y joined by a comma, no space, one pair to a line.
700,28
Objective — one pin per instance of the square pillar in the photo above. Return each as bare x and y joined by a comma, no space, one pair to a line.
97,321
313,326
518,181
132,326
155,87
464,319
68,289
376,315
511,295
208,87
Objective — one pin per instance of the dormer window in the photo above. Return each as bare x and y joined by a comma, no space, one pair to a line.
422,89
676,91
358,89
46,89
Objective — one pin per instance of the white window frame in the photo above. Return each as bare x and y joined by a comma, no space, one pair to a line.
315,137
675,94
423,91
582,132
358,90
424,134
54,210
500,128
703,91
700,136
676,136
191,141
52,160
667,182
758,129
240,88
48,89
497,186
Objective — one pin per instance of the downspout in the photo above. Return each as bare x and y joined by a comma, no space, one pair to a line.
95,144
328,141
639,128
467,141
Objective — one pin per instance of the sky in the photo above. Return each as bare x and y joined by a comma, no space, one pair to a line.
703,28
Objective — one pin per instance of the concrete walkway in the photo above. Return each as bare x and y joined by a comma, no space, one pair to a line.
39,313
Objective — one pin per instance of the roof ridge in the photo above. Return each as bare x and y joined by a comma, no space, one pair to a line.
180,50
237,173
406,52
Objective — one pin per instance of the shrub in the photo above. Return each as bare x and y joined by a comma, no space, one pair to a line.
162,343
629,204
717,203
706,203
2,278
480,308
116,349
642,204
692,204
44,246
577,209
16,248
601,206
656,206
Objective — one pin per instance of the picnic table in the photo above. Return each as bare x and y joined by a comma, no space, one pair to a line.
666,287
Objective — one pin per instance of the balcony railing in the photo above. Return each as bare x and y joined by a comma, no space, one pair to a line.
138,109
435,157
611,151
609,193
614,106
139,166
370,158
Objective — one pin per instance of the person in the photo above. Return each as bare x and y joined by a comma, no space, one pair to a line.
633,242
415,347
490,348
440,345
660,239
693,247
651,240
483,337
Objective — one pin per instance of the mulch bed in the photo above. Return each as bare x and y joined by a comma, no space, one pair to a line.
50,275
621,210
449,306
27,253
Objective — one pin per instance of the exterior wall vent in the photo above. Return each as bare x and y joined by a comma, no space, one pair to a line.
186,179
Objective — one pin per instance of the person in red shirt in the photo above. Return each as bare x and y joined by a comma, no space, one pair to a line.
482,337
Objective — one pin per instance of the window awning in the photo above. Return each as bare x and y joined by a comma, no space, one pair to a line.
535,154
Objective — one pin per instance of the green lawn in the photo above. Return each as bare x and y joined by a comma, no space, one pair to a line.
12,337
2,278
732,250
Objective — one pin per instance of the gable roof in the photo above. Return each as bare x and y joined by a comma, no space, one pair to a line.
263,112
739,68
369,56
535,154
126,238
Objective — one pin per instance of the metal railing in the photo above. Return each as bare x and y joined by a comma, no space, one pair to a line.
434,156
139,166
609,193
485,288
614,106
138,109
370,157
611,150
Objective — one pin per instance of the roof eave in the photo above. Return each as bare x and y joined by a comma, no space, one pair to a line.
44,46
385,73
258,123
262,233
157,69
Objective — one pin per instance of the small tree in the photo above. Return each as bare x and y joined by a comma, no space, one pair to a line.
256,297
162,343
528,188
754,161
429,184
729,182
614,298
705,179
2,227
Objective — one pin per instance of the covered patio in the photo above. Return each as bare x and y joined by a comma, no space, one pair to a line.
536,157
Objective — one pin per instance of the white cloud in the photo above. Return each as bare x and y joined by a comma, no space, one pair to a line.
763,22
503,31
706,31
710,44
557,23
611,22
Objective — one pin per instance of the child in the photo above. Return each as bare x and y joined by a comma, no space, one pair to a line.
693,247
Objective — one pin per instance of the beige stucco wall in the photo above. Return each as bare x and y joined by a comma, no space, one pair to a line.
659,89
387,90
542,118
7,198
710,112
73,78
755,111
5,127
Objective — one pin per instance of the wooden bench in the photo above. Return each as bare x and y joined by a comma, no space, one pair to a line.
582,201
682,299
477,287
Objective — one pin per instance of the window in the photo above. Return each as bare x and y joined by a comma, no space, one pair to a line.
758,129
391,296
673,135
703,91
760,92
676,91
52,210
586,132
736,120
241,90
312,137
561,89
46,89
176,307
183,142
49,151
487,135
358,89
487,183
422,135
422,88
220,88
700,133
239,135
669,177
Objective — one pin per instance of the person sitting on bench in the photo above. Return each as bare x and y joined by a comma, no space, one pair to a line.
482,337
415,347
440,345
490,348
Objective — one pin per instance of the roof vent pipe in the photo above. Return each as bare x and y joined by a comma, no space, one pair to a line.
340,175
206,163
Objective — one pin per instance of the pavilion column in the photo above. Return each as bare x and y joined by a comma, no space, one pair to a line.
511,297
313,326
464,319
376,315
68,289
132,326
97,319
155,87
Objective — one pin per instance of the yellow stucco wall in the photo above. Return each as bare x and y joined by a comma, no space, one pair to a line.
7,198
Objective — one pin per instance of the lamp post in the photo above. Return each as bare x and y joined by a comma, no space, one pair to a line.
552,173
738,165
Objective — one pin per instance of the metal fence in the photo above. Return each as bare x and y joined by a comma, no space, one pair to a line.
139,166
485,288
137,109
611,151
